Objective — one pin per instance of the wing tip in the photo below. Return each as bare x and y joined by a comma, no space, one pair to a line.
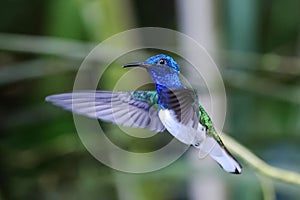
54,97
48,98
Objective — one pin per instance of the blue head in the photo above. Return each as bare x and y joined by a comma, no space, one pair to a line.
162,59
163,69
157,61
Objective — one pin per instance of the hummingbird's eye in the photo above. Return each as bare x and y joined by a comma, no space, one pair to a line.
162,62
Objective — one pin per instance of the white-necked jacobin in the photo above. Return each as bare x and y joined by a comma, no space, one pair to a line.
171,106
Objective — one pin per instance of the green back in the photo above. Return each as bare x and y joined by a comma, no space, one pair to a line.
205,120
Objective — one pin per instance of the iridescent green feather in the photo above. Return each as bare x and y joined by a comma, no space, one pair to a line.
151,97
205,120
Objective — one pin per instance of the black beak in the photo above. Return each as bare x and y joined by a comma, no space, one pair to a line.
136,64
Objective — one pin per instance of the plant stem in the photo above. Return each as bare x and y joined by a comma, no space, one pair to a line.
258,164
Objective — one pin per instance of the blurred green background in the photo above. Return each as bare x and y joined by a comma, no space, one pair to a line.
256,45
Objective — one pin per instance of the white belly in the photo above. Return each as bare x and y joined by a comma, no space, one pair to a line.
184,133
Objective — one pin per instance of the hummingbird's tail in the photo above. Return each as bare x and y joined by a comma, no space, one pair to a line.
220,154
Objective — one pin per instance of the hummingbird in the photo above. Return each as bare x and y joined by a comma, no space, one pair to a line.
171,106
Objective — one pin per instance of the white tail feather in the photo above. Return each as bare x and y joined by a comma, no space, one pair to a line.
221,155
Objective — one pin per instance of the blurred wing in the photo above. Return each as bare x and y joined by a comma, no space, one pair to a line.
184,103
133,109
